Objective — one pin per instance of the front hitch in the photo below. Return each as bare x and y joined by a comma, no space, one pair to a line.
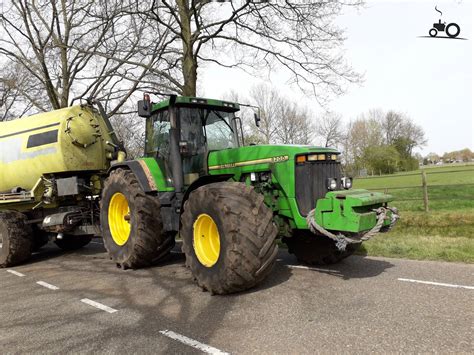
352,216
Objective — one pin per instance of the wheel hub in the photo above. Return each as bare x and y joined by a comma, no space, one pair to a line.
119,218
206,240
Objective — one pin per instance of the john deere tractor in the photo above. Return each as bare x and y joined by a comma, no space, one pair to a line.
229,201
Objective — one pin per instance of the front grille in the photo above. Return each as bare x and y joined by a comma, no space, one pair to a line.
311,182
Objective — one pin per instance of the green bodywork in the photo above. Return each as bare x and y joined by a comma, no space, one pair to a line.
350,211
346,210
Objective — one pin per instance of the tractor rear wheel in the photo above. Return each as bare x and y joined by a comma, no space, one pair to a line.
73,242
132,228
317,249
228,237
15,239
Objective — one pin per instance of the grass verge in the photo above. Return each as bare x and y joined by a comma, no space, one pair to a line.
438,235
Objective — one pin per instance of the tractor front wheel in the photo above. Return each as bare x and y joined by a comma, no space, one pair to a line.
15,239
132,228
228,237
316,249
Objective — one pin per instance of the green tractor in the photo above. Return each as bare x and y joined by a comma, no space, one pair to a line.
229,201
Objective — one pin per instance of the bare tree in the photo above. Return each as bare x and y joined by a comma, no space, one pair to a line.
294,124
297,37
57,42
267,99
376,129
130,129
17,93
391,125
330,129
281,120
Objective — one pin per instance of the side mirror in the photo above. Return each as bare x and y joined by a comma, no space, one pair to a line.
144,106
257,119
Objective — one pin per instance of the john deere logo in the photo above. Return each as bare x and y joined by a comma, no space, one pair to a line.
451,30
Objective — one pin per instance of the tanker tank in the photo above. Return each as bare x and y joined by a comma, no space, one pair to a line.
70,139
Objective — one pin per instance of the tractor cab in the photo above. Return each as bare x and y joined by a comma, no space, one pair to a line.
182,130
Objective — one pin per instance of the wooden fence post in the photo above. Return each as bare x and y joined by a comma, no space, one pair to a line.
425,190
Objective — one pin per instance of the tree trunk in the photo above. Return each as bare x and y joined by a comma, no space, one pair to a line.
189,60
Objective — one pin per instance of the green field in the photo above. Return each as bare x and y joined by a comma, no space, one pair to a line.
444,233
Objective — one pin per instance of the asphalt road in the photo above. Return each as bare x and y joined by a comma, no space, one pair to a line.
361,305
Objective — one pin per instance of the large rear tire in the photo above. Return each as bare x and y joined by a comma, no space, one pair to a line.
15,239
132,228
316,249
228,237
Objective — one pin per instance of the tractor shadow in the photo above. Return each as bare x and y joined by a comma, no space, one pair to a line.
359,267
50,251
354,267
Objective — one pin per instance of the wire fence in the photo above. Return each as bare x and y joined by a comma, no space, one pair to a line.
429,192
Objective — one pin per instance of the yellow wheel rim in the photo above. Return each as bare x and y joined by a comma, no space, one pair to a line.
207,244
119,218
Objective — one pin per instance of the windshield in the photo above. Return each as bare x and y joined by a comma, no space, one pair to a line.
201,125
201,128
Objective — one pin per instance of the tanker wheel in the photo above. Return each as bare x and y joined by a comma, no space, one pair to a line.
73,242
316,249
132,228
15,239
228,237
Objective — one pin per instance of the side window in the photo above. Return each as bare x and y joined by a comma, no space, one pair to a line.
158,134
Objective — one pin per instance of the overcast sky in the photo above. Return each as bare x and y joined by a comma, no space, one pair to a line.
428,79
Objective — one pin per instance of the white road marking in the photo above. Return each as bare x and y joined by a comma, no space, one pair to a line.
47,285
191,342
16,273
98,305
436,283
310,268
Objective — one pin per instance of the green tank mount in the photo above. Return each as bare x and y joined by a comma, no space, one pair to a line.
230,201
51,169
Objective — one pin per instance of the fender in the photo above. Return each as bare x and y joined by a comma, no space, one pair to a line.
141,172
204,180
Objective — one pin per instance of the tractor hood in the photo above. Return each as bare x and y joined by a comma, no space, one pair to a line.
259,155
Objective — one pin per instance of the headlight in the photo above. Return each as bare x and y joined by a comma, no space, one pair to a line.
346,182
332,184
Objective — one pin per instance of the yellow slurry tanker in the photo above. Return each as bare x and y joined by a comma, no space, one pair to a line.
51,166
